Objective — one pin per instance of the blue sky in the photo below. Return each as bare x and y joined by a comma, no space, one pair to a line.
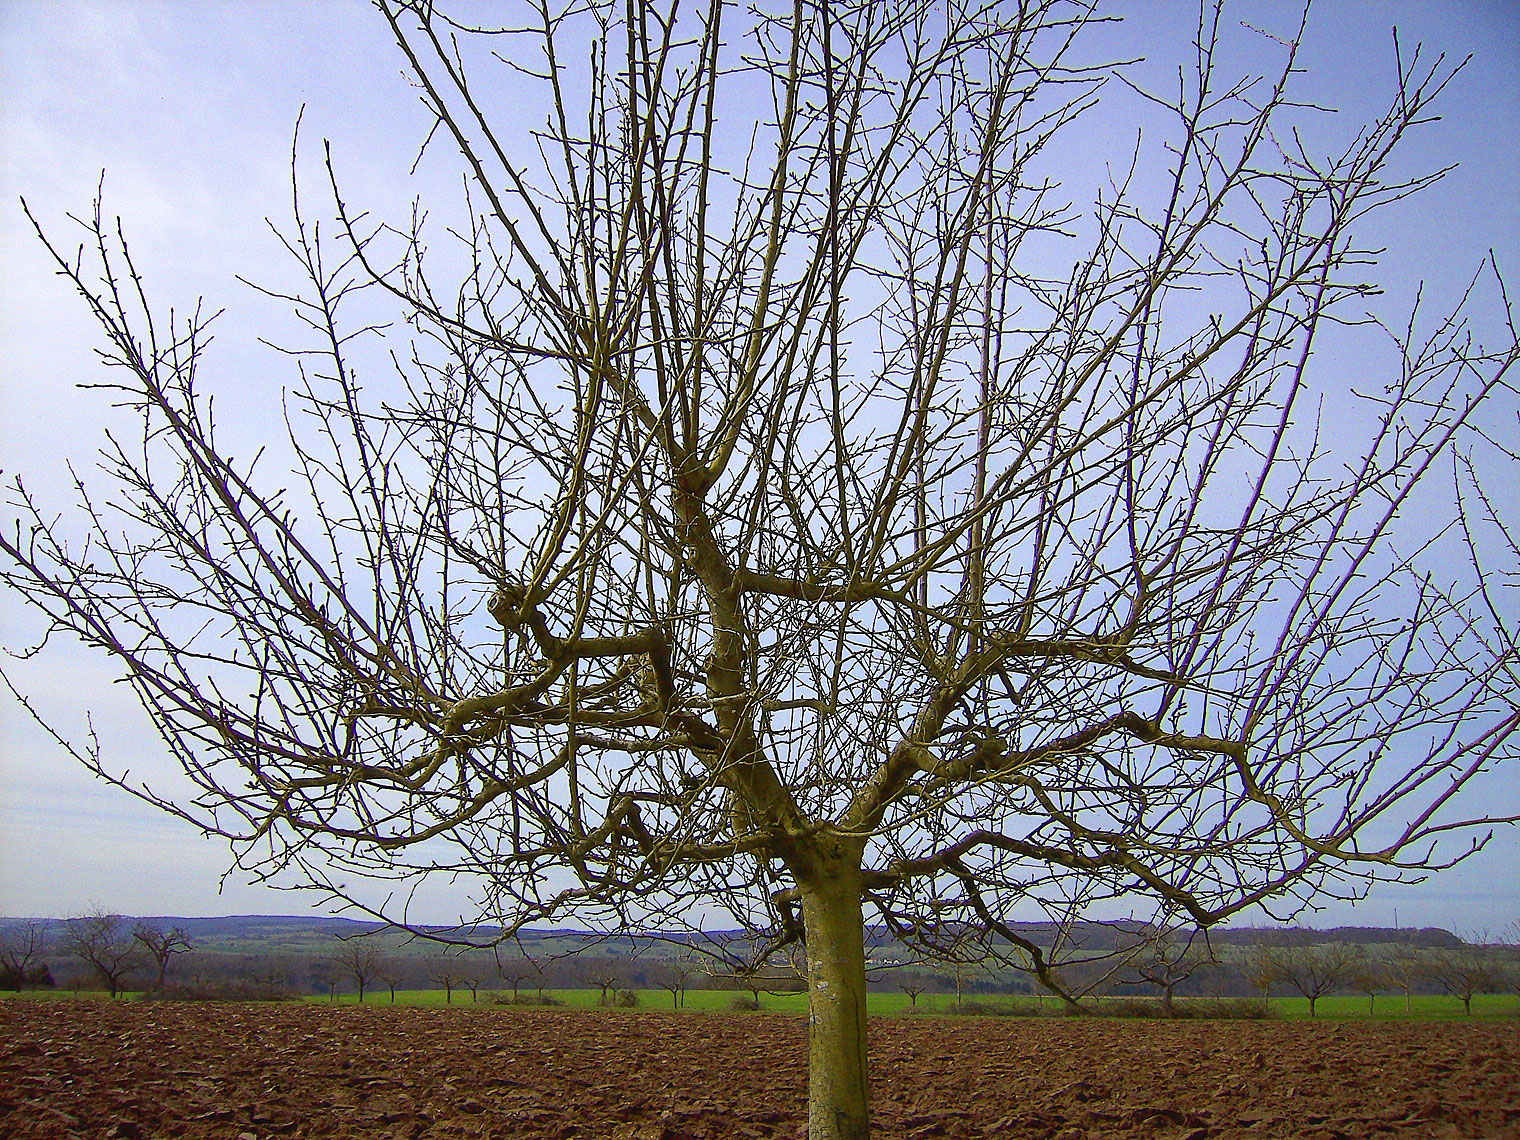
189,110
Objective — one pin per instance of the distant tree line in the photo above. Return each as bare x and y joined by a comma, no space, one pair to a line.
105,951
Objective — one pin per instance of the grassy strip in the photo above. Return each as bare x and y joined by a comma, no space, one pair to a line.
1337,1008
1341,1007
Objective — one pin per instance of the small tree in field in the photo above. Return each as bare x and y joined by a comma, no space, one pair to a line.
1404,967
327,975
448,973
161,945
391,974
736,966
606,976
474,974
1317,970
23,948
1465,971
799,502
675,977
1166,957
1261,970
104,942
1371,977
361,963
515,971
273,973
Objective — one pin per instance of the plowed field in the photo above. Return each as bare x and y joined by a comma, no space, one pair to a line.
137,1071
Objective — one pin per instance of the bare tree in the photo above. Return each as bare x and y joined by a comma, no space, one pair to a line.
796,504
1167,956
912,987
473,973
1260,970
391,974
104,942
515,971
328,975
675,977
23,948
448,973
1371,977
1077,962
959,970
736,965
1315,970
273,974
359,962
1465,971
1404,967
161,945
606,976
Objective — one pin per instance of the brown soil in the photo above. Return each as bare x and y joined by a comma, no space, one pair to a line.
137,1071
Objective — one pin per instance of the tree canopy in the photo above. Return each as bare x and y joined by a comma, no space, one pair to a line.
788,495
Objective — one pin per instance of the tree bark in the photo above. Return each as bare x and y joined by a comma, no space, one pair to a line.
838,1087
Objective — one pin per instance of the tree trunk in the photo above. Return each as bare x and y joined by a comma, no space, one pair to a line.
837,1081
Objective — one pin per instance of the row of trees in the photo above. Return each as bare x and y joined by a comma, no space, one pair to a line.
1169,964
115,952
1319,971
111,946
366,969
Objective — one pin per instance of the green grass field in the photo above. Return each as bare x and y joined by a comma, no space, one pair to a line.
1340,1007
1335,1008
1422,1007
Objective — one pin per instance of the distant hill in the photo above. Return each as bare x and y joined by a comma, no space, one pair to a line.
306,934
304,954
295,934
1428,936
